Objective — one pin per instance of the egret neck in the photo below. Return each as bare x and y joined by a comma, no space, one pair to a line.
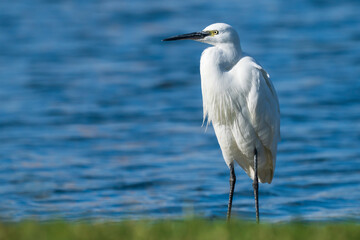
222,56
215,63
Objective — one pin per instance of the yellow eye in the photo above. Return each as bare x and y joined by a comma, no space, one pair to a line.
214,32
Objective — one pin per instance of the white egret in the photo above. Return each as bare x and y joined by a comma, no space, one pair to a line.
241,103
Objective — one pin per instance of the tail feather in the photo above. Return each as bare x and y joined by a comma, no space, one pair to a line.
266,173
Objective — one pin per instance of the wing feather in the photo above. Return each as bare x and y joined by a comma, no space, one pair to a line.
260,113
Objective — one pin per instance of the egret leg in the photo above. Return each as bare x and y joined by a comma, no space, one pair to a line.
256,186
232,186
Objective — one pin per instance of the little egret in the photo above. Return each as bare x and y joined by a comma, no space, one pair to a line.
241,103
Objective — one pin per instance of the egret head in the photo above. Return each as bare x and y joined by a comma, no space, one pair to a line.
214,34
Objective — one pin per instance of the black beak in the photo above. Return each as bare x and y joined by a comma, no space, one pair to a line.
192,36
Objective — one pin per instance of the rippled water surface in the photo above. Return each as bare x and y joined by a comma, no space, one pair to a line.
99,119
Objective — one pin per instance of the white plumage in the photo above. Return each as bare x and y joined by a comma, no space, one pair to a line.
241,103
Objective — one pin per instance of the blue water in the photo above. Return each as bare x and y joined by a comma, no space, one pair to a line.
101,120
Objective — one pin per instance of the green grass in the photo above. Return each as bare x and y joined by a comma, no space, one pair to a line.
181,229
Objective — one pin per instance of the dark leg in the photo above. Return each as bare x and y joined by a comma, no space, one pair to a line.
256,186
232,185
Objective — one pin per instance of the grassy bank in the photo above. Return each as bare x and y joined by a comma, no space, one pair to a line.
187,229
